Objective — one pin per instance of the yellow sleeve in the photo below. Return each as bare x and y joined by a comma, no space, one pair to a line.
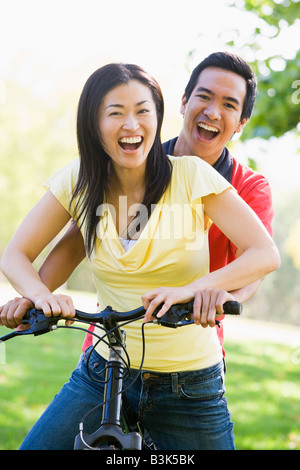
202,179
62,185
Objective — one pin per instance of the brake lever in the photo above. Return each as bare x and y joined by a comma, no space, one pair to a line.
39,324
174,317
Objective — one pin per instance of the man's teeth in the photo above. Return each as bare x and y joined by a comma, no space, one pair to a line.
208,128
131,140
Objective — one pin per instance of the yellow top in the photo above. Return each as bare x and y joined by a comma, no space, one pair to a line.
172,250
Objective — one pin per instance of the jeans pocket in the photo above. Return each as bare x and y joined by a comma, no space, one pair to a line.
204,389
91,366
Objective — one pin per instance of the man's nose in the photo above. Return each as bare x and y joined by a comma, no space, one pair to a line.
212,111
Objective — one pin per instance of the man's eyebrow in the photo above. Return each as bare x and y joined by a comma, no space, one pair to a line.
206,90
115,105
227,98
230,98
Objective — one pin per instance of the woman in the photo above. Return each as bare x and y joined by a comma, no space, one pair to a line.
144,219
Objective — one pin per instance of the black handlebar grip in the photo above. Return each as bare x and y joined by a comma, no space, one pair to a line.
231,307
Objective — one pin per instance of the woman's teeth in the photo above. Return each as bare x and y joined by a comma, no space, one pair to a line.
131,140
130,143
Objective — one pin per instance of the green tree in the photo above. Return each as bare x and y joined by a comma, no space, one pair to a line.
277,109
37,138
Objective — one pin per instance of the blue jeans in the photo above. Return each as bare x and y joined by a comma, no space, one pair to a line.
180,411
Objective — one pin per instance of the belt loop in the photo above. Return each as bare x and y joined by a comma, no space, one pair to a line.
174,377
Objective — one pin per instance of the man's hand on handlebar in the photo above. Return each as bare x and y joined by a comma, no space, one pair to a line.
208,306
208,303
12,313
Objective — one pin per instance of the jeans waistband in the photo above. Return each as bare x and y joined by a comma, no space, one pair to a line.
175,377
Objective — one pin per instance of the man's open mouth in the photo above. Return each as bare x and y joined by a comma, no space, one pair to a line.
207,132
131,143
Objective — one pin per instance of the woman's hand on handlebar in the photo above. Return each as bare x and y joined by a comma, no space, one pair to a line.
167,296
208,303
56,305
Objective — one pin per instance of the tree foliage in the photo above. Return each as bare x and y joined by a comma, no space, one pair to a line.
37,138
277,109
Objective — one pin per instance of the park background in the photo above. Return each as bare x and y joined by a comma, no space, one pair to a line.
48,49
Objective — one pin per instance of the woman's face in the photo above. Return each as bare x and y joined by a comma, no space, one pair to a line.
128,124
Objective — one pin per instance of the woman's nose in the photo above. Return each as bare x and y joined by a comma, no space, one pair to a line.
131,122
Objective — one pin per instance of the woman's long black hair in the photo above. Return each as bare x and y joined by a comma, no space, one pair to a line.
94,162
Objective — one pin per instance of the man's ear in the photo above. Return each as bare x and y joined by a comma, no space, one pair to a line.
241,125
183,104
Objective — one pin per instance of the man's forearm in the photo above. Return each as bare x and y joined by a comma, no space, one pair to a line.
246,293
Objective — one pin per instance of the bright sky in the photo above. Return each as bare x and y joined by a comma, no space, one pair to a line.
46,42
64,33
60,35
43,40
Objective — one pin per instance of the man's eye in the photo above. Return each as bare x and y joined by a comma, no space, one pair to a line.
230,106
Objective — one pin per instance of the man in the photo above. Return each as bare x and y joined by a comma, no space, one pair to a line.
217,103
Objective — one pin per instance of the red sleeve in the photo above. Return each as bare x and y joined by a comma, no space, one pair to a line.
255,189
256,192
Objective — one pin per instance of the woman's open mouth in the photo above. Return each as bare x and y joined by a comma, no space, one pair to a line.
131,143
207,132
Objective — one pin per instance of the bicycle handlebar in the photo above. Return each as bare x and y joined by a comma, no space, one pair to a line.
175,317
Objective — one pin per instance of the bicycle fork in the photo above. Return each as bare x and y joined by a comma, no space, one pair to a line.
110,434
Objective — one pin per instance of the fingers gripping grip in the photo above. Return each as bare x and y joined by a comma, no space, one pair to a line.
177,315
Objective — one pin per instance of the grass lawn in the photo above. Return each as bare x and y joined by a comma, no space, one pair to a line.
262,384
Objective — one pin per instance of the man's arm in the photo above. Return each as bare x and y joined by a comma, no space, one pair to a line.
55,271
66,255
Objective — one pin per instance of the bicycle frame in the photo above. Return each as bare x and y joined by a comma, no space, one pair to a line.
110,434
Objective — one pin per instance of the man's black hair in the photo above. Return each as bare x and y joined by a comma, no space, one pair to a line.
232,63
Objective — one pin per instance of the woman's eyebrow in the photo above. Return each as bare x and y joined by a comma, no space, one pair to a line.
116,105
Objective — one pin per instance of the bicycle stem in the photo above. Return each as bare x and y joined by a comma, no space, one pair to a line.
113,384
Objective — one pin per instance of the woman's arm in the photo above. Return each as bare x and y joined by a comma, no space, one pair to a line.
39,227
259,255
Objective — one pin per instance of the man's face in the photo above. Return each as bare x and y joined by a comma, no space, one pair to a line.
212,114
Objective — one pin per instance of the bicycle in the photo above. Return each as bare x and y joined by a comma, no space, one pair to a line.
111,434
